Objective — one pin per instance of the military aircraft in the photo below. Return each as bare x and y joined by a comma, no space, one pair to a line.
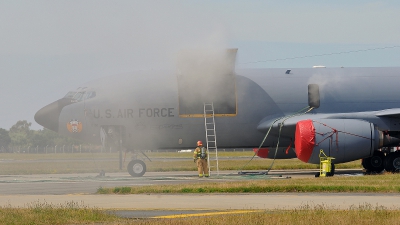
350,113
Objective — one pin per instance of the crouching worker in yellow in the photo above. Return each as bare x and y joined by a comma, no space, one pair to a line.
200,157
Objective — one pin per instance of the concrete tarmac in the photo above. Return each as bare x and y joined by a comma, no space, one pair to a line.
88,183
210,201
25,190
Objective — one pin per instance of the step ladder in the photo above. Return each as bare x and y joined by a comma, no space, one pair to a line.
211,138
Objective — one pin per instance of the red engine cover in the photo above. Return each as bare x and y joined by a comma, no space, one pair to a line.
304,139
262,153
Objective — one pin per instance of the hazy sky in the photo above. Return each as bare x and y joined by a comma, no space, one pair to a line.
50,47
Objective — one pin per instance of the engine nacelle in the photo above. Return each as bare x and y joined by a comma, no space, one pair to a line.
344,139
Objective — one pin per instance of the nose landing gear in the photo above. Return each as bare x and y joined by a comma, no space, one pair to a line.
136,167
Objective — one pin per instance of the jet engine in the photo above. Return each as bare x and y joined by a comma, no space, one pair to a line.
343,139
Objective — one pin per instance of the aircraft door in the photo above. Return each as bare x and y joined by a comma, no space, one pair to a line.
207,78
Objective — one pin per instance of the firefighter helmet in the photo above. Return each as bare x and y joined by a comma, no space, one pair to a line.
199,143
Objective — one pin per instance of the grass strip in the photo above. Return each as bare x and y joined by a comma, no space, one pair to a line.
73,213
46,213
387,183
310,215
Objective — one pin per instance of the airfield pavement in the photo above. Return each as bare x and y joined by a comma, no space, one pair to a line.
23,190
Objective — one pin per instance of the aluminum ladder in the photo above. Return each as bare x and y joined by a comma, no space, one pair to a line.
211,138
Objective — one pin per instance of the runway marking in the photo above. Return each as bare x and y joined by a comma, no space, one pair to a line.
206,214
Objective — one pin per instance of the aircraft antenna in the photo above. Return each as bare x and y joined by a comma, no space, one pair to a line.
324,54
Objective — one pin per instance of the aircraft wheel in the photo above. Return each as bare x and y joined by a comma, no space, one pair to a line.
392,162
330,174
136,168
374,163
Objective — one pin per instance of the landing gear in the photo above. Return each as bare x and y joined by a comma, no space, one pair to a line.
392,162
136,168
375,163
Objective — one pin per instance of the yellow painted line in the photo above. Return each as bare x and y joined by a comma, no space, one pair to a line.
206,214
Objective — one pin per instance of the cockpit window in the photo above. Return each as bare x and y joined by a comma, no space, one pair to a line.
80,95
89,94
70,94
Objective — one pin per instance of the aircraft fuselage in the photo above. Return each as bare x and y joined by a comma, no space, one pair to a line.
150,111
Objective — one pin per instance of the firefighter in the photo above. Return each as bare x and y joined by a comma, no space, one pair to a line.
200,157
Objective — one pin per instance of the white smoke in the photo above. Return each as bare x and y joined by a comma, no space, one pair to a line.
206,75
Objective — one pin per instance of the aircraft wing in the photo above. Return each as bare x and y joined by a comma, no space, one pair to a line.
393,113
383,119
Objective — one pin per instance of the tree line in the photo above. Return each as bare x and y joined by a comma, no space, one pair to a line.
21,135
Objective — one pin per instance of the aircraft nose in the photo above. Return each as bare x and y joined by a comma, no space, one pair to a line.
48,116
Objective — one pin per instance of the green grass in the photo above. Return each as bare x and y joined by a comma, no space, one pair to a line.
387,183
73,213
307,215
45,213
